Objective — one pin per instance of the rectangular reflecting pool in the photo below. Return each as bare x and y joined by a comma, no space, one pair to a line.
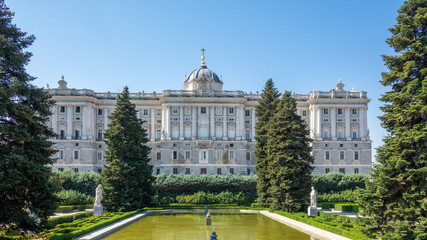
190,226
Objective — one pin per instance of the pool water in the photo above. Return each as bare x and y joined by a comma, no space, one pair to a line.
190,226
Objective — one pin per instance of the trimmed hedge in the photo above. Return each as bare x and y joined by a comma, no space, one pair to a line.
206,198
82,182
52,222
348,230
347,207
196,206
327,205
63,209
343,219
68,231
344,196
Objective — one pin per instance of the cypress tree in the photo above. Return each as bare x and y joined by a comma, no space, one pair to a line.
289,158
25,190
127,181
396,196
264,111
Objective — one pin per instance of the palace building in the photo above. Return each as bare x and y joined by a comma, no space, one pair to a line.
204,129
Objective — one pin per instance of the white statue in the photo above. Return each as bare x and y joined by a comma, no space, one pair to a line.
98,196
313,199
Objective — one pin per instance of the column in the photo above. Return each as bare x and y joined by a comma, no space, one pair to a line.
163,137
88,117
238,124
69,122
181,123
153,124
105,119
333,124
253,124
55,119
242,122
194,123
168,123
318,123
312,120
224,123
212,113
362,123
347,123
365,122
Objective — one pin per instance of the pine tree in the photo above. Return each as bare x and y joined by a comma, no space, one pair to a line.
127,181
264,111
25,190
396,196
289,158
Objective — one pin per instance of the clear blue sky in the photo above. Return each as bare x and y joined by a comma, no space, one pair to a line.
149,45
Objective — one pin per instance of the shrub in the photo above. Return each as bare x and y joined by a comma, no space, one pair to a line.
347,207
72,197
82,182
63,209
344,196
327,205
206,198
338,182
52,222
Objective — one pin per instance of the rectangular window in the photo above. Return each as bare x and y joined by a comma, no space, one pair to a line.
325,111
218,171
341,155
61,154
327,170
231,170
342,170
62,109
356,155
187,171
99,170
175,170
219,155
187,155
340,111
99,111
77,134
158,171
231,110
174,110
247,113
354,111
77,109
327,155
203,155
99,156
62,134
158,134
76,154
203,110
248,135
354,135
61,169
158,155
175,155
304,113
231,155
76,170
248,156
145,112
159,112
203,171
248,171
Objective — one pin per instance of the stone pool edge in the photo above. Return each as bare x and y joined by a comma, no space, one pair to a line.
114,227
305,228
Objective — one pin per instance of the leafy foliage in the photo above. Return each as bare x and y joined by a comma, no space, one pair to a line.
127,182
84,182
25,151
264,111
288,158
73,197
396,199
190,184
338,182
205,198
344,196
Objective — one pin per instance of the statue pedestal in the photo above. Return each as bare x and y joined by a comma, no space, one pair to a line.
98,210
312,211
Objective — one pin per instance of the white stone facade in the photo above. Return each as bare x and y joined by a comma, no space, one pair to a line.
206,130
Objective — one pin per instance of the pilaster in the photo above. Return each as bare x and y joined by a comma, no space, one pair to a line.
181,123
347,124
69,121
224,124
212,115
153,123
333,123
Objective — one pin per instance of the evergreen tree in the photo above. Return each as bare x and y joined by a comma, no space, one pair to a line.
289,158
264,111
396,196
25,190
127,181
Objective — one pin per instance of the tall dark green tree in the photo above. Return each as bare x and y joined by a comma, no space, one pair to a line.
289,158
396,196
264,111
127,180
25,151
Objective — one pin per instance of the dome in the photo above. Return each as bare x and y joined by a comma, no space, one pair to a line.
203,71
